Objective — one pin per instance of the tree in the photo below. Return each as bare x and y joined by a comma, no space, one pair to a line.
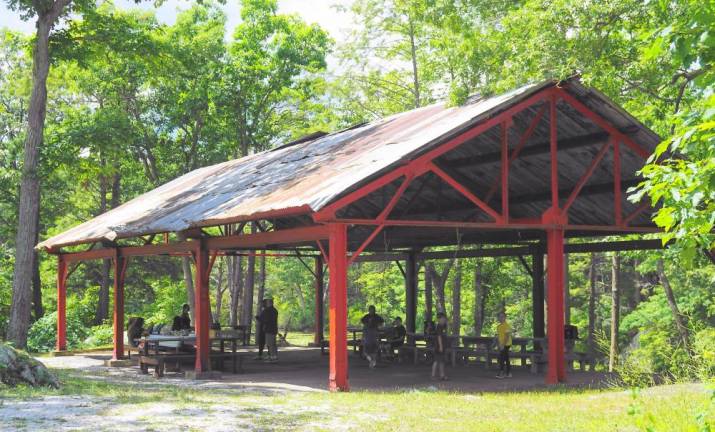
270,85
677,316
388,60
615,309
592,301
29,204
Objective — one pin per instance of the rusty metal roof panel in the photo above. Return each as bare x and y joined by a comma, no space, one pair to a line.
302,177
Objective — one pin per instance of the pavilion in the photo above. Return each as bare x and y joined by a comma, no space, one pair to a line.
529,168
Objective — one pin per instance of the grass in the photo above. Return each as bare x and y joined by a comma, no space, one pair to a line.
300,338
682,407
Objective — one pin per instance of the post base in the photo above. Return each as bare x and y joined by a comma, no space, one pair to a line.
119,363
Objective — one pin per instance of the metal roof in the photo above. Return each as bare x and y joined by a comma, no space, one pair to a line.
307,175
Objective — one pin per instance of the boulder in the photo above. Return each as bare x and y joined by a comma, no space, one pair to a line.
17,367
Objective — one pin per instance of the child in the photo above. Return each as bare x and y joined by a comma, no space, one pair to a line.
504,343
440,346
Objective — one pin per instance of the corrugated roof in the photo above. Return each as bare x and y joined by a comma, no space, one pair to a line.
304,176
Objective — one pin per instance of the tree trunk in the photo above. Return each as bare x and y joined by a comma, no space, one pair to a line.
457,300
37,308
615,310
439,281
247,310
29,207
102,311
567,292
235,276
219,293
592,300
428,293
480,297
188,280
415,75
677,316
261,280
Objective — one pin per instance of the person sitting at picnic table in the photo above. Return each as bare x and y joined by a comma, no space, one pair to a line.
182,322
269,327
395,338
504,343
371,335
260,334
440,347
135,330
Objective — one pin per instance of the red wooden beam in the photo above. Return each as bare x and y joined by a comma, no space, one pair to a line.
464,191
61,342
553,137
602,123
495,226
120,265
201,307
323,252
338,266
382,217
519,147
632,215
319,292
505,170
587,175
258,240
419,165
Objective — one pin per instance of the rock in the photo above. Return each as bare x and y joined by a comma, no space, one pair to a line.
17,367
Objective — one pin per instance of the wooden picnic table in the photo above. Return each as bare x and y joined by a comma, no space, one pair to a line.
175,343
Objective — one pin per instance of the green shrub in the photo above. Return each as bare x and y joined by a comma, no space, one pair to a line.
42,336
100,335
703,343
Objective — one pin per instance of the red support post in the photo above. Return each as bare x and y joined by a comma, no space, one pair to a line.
201,308
555,306
338,266
319,292
120,264
61,344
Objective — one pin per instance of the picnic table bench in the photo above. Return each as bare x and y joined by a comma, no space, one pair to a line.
172,352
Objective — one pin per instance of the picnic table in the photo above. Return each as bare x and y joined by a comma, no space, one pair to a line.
175,348
485,346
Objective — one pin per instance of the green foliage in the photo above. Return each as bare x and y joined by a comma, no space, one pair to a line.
170,295
101,335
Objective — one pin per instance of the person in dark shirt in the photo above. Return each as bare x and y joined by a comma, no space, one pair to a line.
182,322
371,335
269,324
440,347
396,337
260,334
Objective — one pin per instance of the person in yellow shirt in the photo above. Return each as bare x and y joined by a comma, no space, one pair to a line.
504,343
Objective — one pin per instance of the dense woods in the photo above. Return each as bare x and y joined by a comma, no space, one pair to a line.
132,103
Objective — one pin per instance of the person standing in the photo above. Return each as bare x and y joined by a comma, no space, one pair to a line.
269,323
371,335
441,342
260,334
504,343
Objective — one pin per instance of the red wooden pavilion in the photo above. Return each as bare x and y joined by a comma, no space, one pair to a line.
528,168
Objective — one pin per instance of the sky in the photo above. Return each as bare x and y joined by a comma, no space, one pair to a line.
321,12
